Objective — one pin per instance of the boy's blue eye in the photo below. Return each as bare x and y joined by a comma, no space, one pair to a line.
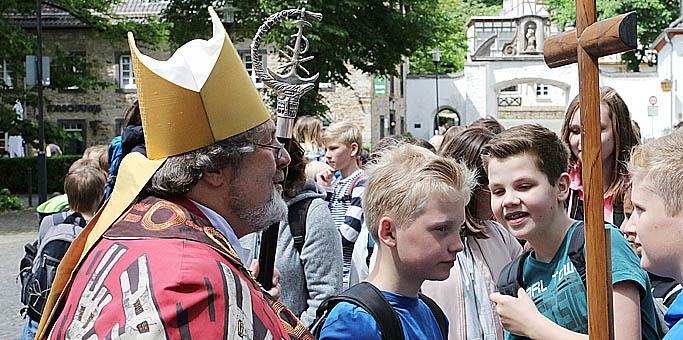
443,228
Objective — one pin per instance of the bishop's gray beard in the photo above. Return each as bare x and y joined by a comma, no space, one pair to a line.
261,218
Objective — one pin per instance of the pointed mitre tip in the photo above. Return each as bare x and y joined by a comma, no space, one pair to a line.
131,42
218,28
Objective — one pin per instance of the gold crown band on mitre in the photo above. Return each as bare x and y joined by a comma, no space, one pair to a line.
201,95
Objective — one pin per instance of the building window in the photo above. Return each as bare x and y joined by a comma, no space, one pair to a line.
509,89
381,126
78,64
76,130
7,74
246,59
126,77
541,90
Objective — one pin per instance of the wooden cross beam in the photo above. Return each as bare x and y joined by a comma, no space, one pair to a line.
589,41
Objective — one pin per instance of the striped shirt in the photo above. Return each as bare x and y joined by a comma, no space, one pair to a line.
347,211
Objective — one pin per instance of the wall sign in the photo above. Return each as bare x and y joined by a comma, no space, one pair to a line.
92,108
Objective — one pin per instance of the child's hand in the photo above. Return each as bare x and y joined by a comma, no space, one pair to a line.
275,290
518,315
325,178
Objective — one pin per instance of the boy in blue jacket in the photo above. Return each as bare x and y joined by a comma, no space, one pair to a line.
657,196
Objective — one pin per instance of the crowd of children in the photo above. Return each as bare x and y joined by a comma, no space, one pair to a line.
422,242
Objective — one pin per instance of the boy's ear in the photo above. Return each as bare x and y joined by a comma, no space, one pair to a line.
354,149
563,186
387,231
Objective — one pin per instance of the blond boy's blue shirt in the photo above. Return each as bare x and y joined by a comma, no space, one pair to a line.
560,295
348,321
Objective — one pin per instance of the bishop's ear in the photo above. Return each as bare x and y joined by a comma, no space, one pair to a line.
386,231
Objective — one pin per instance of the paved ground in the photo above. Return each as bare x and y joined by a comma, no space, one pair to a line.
16,229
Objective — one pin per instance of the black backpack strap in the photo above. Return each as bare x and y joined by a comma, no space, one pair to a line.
438,314
296,217
512,276
575,252
75,219
368,297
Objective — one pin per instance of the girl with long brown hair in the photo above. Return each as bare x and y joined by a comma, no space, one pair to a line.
617,138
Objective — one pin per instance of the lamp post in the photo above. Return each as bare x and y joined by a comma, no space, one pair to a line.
436,58
42,166
229,14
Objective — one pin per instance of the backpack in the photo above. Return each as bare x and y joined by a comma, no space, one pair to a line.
371,299
296,217
39,265
511,276
297,212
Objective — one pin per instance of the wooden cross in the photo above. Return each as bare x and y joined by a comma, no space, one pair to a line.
588,42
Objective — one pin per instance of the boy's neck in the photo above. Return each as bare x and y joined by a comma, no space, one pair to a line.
546,243
386,277
349,169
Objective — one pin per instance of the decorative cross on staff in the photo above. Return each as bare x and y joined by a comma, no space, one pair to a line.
588,42
289,88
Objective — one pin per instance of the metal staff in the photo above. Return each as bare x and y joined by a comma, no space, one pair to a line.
289,88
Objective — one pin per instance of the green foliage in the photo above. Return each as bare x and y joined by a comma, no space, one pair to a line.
370,35
451,37
653,17
73,70
57,168
8,201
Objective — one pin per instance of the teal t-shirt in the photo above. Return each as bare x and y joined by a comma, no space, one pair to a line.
559,294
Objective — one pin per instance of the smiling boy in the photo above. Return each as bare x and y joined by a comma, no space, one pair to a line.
415,208
657,196
527,170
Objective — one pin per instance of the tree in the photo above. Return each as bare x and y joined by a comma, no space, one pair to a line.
67,69
370,35
653,17
451,37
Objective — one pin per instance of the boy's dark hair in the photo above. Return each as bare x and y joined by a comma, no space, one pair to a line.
490,123
85,188
552,156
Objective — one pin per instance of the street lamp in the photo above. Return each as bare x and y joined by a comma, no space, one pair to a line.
392,116
436,59
229,14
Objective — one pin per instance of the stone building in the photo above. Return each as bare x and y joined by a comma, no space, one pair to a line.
376,105
506,77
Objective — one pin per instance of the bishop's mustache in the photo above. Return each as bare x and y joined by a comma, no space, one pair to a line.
279,176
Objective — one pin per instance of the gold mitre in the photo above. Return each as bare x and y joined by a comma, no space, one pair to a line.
199,96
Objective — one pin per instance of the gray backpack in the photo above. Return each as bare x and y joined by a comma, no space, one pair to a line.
39,265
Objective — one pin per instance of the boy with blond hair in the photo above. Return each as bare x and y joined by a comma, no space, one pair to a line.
343,141
657,196
527,170
415,208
